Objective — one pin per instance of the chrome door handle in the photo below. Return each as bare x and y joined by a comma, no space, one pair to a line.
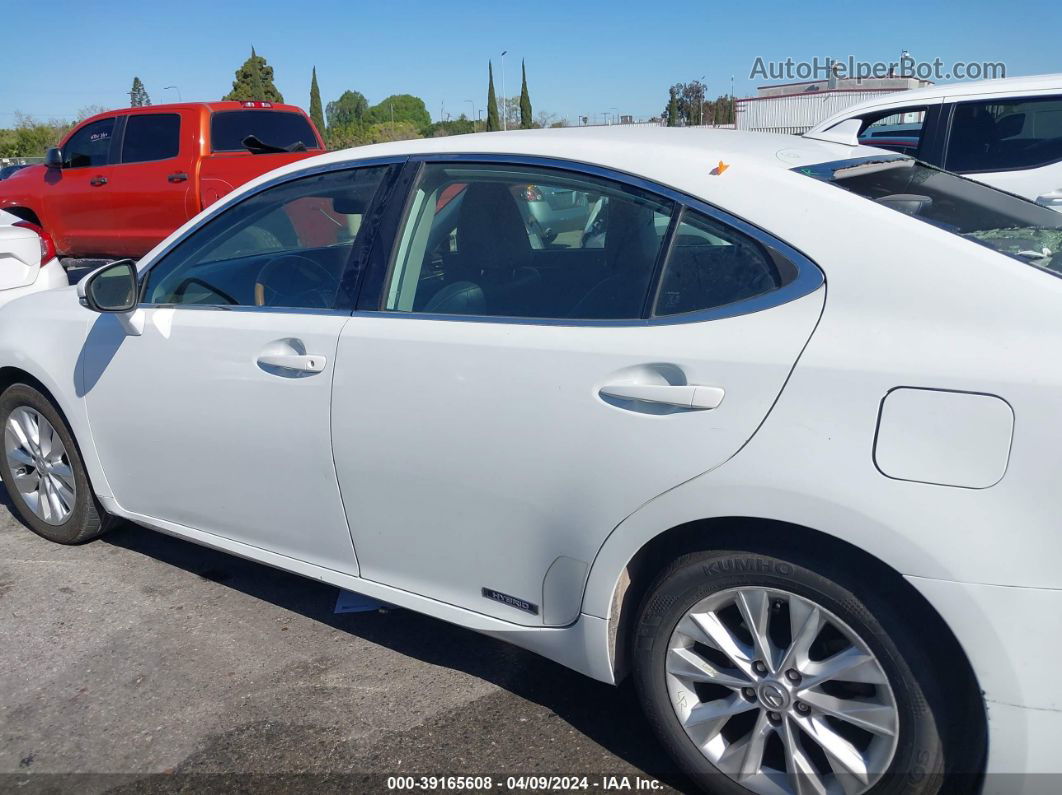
301,363
97,181
180,176
687,396
1054,197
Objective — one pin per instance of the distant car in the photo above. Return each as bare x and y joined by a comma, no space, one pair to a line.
121,181
782,445
1005,133
27,261
7,171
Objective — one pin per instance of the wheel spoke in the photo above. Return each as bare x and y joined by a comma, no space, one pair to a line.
803,775
64,474
755,609
722,639
687,664
27,422
28,482
16,453
743,758
844,758
870,716
850,665
706,719
806,622
18,435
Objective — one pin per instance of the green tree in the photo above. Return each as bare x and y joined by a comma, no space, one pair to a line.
493,123
526,119
254,81
400,108
350,108
316,112
672,109
138,96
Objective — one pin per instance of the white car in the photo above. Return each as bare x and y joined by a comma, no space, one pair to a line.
27,260
783,446
1005,133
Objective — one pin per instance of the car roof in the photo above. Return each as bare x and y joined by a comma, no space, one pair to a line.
1014,86
631,148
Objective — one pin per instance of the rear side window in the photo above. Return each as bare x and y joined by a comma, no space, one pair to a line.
899,130
151,136
711,265
1003,135
513,241
275,128
90,145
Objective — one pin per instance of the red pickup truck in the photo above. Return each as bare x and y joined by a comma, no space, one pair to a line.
121,181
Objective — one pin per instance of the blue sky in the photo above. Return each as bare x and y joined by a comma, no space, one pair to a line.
583,56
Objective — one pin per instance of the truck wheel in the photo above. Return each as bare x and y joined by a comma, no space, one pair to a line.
760,675
43,471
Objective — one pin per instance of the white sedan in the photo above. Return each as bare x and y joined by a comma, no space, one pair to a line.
27,260
781,444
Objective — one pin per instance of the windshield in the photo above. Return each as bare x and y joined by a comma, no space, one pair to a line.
1006,223
275,128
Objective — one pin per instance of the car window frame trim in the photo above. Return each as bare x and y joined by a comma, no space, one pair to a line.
953,106
347,306
809,277
125,126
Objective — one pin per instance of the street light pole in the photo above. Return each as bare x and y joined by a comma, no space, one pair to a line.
177,89
505,105
473,104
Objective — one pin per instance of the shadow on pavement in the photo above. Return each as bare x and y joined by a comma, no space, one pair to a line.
606,715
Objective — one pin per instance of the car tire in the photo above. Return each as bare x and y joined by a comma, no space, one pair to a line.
53,510
728,588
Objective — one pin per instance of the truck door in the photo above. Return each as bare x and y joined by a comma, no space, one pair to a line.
152,181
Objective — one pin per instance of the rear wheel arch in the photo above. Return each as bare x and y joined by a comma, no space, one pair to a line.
872,579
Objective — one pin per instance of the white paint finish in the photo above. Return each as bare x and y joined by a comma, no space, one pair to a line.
1008,634
234,450
451,436
20,256
944,438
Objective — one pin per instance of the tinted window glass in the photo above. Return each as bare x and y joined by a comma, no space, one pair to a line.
522,242
1006,223
712,265
89,146
272,127
898,130
1000,135
153,136
285,247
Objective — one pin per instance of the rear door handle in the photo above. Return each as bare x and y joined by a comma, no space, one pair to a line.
1054,197
687,396
294,362
97,181
180,176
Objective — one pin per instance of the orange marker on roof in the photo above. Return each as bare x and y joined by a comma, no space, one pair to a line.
715,172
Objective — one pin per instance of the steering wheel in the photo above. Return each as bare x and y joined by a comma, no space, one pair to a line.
295,281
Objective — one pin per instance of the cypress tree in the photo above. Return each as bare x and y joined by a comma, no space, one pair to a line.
254,81
493,122
138,96
672,110
526,122
316,110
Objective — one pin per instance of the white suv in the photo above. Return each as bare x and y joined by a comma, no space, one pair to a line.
1005,133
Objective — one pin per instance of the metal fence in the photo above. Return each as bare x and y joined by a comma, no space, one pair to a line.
796,113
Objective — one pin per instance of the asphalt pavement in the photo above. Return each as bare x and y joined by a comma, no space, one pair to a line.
143,662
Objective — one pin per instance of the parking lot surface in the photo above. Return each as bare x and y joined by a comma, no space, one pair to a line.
140,654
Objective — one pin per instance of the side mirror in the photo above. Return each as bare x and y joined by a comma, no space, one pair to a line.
53,158
111,289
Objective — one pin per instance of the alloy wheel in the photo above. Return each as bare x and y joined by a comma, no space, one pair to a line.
781,695
39,465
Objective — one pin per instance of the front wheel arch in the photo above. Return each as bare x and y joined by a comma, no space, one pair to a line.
871,577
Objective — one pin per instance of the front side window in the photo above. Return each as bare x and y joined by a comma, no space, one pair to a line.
513,241
287,246
899,130
1005,134
90,145
999,220
151,136
712,265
